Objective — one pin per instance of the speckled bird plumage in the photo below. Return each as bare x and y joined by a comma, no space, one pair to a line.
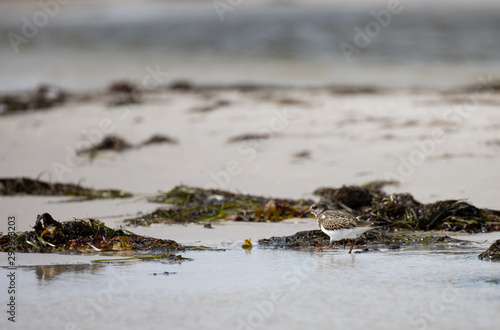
336,220
338,224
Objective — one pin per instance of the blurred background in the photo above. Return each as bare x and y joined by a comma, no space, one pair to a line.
87,44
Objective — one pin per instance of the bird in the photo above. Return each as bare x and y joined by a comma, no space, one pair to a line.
338,224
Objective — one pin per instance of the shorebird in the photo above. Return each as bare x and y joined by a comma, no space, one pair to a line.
338,224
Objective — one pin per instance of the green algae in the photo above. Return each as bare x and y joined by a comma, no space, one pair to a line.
159,257
190,204
492,253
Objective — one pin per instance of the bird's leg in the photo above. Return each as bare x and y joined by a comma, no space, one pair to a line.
325,247
353,242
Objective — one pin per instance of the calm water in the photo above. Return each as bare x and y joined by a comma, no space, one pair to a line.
444,288
87,46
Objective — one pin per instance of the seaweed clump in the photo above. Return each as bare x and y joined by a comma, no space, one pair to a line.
26,186
124,93
316,238
44,97
118,144
158,139
196,204
350,197
401,211
492,253
49,235
109,142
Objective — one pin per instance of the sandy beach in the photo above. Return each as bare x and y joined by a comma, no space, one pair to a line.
268,98
440,145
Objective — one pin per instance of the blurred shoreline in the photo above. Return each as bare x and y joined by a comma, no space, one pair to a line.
87,45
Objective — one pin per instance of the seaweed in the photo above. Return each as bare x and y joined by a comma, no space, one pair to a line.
109,142
181,85
44,97
350,197
191,204
123,86
248,137
171,258
124,93
158,139
369,202
401,211
118,144
27,186
211,107
304,154
247,245
49,235
492,253
315,238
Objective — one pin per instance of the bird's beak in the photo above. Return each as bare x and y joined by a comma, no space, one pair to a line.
306,213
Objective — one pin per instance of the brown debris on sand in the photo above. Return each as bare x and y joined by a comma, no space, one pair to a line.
211,107
181,85
118,144
304,154
44,97
124,93
109,142
248,137
158,139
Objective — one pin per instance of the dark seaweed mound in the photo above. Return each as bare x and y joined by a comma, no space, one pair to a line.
49,235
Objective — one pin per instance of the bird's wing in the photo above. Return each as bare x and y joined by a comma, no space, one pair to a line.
336,220
362,223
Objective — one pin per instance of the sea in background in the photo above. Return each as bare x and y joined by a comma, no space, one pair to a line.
88,44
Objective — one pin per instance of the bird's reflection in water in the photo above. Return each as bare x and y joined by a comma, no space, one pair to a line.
50,272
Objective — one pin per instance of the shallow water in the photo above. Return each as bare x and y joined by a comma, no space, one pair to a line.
417,288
